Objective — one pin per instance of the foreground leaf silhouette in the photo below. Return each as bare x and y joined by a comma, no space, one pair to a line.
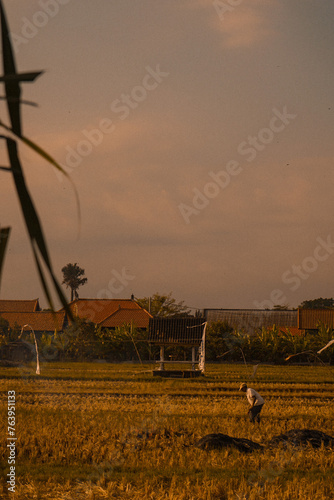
12,82
4,236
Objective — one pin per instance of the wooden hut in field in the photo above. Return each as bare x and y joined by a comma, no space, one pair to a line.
179,332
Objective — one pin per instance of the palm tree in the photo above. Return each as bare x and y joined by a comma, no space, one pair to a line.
72,278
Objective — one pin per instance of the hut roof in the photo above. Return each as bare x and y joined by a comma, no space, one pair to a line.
176,331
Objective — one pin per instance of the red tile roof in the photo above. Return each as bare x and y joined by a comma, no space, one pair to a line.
43,321
294,330
139,318
111,312
19,305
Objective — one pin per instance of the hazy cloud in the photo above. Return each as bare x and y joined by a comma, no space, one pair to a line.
217,96
244,23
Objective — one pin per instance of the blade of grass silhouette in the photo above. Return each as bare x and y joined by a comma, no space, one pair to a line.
51,160
12,81
21,101
20,77
33,226
4,237
12,85
11,78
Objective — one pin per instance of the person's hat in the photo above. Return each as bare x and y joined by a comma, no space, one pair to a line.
242,386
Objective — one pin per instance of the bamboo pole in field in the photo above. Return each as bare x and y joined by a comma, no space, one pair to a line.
38,371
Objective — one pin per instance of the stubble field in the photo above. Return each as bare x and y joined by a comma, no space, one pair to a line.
99,431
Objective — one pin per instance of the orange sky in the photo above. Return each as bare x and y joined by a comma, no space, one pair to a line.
198,134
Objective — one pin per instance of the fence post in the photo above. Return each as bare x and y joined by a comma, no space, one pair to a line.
162,357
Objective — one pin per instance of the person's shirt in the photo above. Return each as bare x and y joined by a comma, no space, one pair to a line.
250,393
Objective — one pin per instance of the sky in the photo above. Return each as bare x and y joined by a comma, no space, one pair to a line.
199,137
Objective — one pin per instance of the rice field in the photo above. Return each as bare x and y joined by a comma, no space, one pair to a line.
99,431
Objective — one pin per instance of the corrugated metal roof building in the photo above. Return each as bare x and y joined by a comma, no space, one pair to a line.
310,319
251,320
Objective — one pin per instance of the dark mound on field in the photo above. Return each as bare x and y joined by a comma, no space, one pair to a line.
303,437
219,441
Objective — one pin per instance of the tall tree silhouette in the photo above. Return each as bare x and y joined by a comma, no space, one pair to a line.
73,277
164,306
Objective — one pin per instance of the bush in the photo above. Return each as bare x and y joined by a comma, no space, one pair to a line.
269,344
219,340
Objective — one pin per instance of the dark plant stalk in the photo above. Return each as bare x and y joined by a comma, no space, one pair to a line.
4,236
12,81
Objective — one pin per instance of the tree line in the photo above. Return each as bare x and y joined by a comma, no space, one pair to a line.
85,341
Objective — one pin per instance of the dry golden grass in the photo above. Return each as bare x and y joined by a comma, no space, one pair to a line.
120,433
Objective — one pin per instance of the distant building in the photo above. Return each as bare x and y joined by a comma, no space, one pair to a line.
310,319
19,305
111,313
107,313
252,320
40,322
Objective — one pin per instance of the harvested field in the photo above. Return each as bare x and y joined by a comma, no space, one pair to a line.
91,431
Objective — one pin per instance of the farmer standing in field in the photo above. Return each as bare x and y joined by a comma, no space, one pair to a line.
255,400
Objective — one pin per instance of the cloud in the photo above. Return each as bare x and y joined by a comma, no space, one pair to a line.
242,25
